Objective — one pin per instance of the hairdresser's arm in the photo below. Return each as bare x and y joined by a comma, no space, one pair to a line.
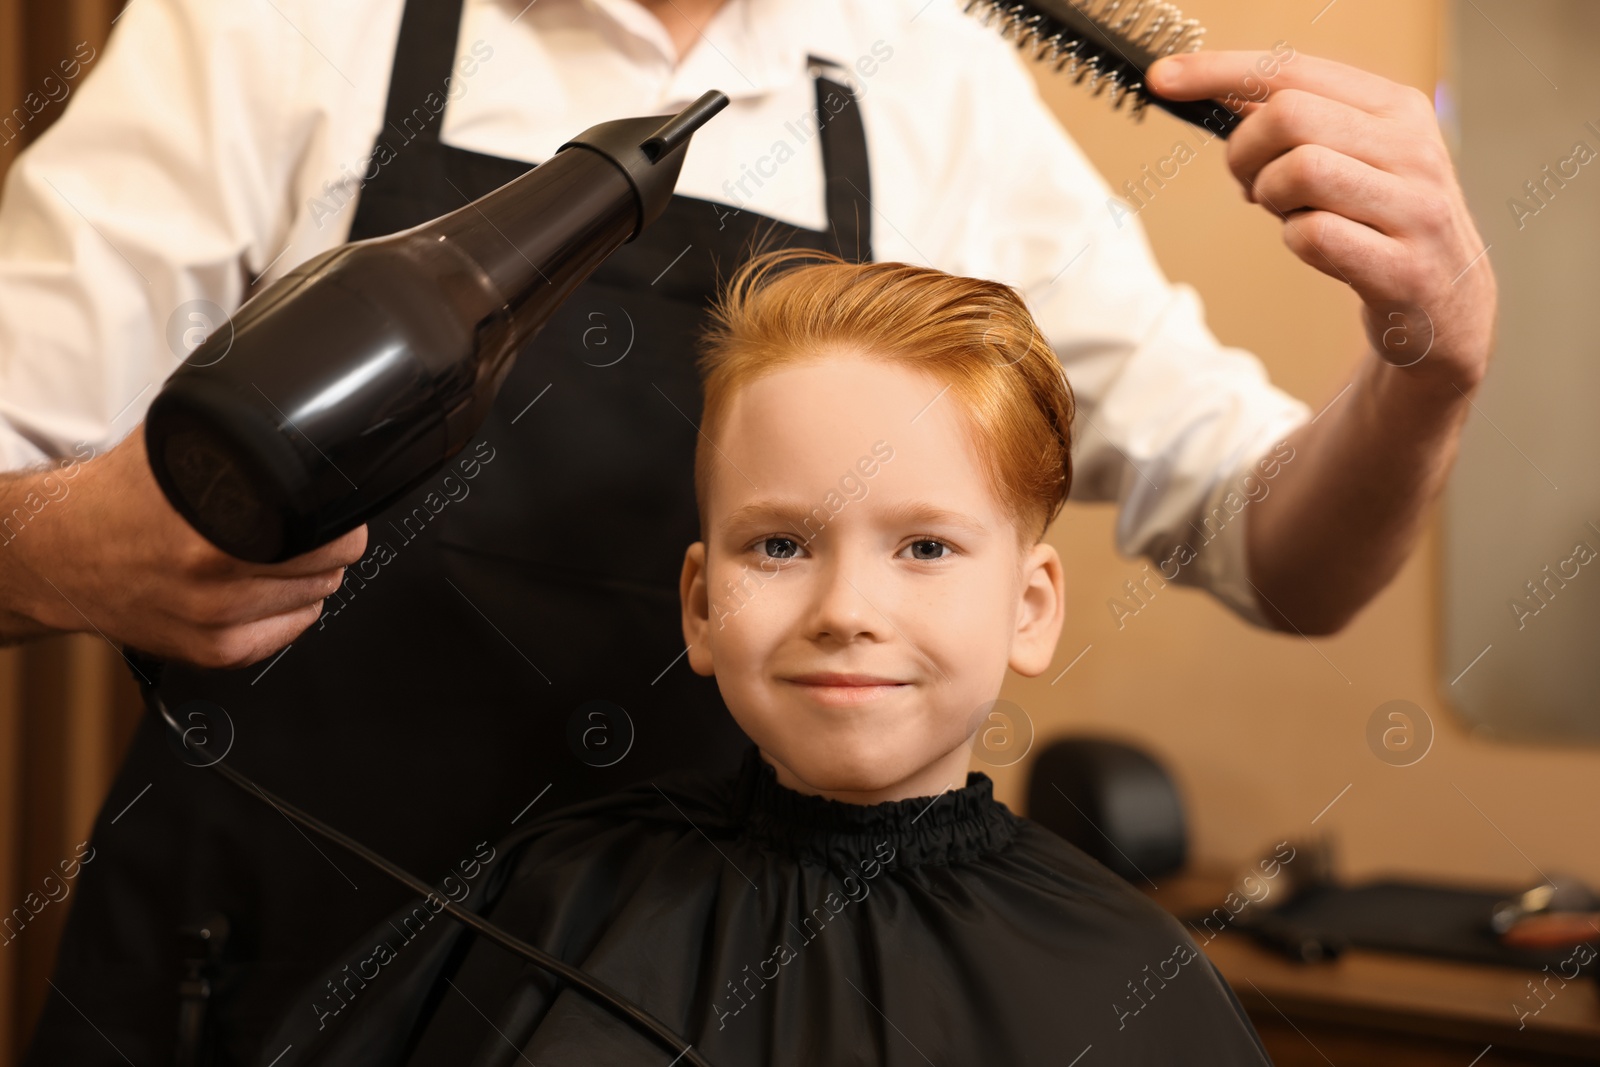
1355,166
93,546
130,224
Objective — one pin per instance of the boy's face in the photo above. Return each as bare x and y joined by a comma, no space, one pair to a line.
850,531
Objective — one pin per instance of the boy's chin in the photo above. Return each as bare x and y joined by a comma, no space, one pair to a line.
845,765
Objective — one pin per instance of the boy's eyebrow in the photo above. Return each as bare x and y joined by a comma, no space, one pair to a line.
911,511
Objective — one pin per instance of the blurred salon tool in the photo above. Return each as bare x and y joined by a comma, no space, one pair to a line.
1300,943
1560,907
1308,868
1559,893
1111,43
204,943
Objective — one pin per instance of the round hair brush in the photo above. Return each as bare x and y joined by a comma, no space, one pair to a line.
1111,44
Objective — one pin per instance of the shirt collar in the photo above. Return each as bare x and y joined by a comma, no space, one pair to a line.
750,47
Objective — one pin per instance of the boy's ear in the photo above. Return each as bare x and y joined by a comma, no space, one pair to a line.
1040,612
696,608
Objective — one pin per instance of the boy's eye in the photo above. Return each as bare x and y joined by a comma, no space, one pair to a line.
785,547
928,549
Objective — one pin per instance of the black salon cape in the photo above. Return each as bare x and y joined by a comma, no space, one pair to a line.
774,928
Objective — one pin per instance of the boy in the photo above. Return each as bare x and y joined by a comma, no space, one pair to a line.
883,447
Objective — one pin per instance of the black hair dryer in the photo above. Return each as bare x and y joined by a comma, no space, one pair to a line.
345,384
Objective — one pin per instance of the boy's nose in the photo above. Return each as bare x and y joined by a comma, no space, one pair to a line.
846,602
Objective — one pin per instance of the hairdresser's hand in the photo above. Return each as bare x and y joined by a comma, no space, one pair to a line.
1355,166
110,555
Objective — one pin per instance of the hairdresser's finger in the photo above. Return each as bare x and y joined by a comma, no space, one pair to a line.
1295,117
342,551
1347,250
277,596
235,647
1314,177
1255,75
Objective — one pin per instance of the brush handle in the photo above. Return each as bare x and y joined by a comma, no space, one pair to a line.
1211,115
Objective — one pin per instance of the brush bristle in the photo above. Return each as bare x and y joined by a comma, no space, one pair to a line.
1108,43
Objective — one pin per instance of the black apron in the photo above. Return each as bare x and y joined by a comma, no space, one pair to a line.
511,642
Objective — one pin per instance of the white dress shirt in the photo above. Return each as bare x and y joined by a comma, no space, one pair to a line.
215,144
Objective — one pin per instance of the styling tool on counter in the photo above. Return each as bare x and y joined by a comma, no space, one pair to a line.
1560,911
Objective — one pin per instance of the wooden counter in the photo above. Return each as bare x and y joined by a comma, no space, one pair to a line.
1378,1008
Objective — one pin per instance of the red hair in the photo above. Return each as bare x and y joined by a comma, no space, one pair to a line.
976,336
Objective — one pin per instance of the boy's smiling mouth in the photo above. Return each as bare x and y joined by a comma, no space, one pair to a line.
837,689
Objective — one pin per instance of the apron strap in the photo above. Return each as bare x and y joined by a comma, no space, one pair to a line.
423,61
845,170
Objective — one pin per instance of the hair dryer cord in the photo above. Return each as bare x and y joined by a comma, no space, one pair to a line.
596,990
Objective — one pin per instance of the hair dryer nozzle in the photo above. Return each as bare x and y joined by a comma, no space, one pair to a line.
679,128
650,151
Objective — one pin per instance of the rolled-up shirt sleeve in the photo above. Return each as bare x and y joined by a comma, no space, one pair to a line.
137,218
1170,422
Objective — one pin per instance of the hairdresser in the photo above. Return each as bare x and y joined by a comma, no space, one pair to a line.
427,680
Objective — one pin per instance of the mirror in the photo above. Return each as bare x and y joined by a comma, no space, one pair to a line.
1520,588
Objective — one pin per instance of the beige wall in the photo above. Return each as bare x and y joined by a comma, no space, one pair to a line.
1263,731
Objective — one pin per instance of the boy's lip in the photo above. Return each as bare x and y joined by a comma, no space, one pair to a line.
835,678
